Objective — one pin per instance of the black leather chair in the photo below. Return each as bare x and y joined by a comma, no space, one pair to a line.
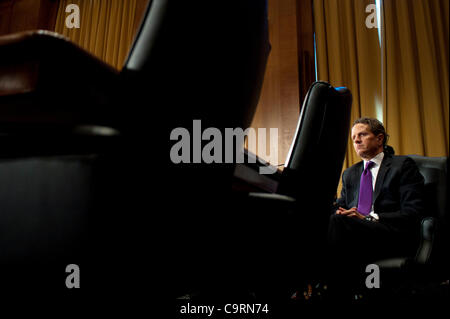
431,261
308,184
319,146
124,197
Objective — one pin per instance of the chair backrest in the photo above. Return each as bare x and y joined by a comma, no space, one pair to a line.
314,163
200,60
434,171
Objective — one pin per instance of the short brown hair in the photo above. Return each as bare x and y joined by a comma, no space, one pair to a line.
375,126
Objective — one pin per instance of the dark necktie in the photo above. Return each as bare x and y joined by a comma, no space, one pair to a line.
365,190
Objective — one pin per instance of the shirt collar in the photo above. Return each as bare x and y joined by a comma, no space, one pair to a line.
377,159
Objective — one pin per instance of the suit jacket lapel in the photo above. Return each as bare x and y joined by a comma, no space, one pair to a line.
385,165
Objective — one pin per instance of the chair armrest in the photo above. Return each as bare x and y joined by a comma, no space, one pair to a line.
28,58
272,197
427,227
272,202
392,263
47,79
423,252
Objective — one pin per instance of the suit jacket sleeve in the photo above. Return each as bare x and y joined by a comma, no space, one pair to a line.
411,188
342,200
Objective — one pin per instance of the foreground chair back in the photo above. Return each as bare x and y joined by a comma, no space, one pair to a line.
199,60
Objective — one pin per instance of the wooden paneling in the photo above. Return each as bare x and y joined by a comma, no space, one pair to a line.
141,5
25,15
22,15
47,14
5,16
305,36
279,104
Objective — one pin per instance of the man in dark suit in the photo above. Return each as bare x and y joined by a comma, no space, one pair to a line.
378,213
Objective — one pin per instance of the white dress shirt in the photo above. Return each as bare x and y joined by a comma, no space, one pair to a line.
374,170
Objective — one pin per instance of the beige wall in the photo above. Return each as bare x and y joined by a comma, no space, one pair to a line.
22,15
279,104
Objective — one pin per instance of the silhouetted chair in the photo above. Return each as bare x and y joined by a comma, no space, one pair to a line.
190,60
432,258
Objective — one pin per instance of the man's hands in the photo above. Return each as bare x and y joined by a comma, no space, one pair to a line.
352,212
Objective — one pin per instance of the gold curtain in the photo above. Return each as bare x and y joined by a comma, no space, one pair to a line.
416,72
107,28
348,54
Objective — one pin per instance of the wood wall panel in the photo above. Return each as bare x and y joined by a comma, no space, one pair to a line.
22,15
279,105
47,14
141,6
5,16
25,15
305,44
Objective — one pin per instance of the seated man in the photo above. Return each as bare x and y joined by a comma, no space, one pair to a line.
381,204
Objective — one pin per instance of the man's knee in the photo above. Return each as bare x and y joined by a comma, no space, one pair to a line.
337,219
341,228
336,228
343,220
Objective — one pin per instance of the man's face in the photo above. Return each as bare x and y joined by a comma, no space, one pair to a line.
366,144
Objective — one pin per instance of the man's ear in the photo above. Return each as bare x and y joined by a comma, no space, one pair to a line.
380,138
